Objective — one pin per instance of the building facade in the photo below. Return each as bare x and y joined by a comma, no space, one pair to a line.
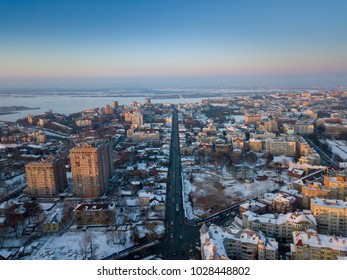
279,225
91,167
252,119
308,245
94,214
219,243
281,146
46,178
337,185
331,215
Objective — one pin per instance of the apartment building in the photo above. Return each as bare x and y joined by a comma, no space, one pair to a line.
331,215
309,245
226,243
337,185
271,126
302,128
279,225
313,190
46,178
252,119
91,167
278,202
255,145
281,146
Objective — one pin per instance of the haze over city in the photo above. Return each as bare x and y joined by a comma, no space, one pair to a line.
176,43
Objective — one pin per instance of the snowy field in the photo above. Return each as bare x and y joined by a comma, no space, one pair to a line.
67,246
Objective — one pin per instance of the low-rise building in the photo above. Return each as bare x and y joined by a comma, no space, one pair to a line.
94,214
53,222
254,206
278,202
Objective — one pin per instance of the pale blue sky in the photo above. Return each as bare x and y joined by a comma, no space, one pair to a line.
66,40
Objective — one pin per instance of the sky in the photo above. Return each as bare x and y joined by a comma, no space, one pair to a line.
78,42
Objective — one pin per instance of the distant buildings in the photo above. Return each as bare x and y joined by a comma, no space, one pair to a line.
255,145
302,128
114,105
108,109
142,136
91,167
281,146
271,126
135,118
147,101
252,119
84,123
46,178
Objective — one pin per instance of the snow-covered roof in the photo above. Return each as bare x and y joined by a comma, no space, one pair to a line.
212,240
313,239
331,203
295,218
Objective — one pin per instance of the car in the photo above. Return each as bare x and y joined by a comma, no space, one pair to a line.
181,237
174,253
171,223
171,236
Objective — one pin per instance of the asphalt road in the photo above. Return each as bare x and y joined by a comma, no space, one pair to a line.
181,240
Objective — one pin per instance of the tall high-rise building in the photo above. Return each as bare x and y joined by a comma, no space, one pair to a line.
46,178
91,167
114,104
108,109
147,101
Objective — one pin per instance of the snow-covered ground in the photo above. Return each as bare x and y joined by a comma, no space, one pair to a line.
67,246
20,179
338,147
186,189
203,186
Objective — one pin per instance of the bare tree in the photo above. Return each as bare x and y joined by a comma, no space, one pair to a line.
66,213
12,218
2,236
33,210
88,246
116,237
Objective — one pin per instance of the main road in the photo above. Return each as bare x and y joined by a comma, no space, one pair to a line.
181,239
